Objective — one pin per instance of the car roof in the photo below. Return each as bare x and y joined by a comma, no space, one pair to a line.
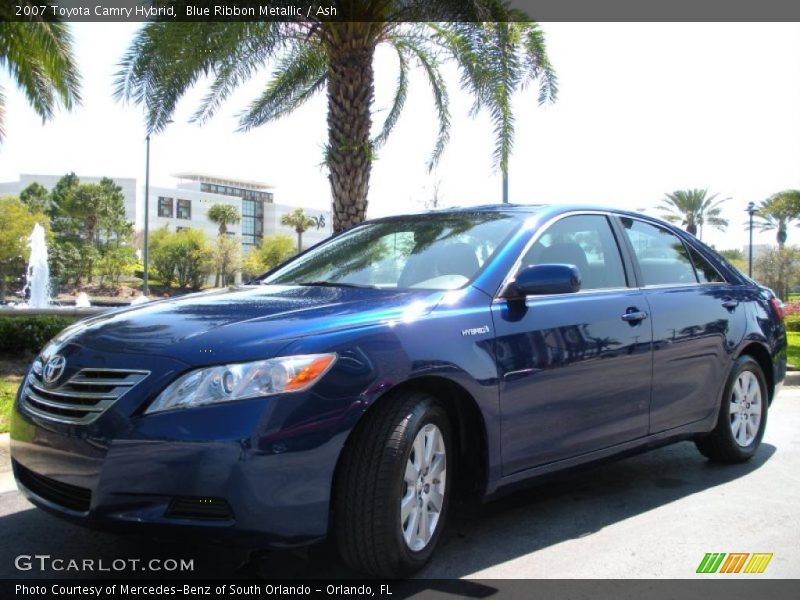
532,209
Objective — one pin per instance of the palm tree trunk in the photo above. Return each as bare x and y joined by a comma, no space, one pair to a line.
351,90
299,242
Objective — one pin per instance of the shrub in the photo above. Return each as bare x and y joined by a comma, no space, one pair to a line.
184,256
792,322
29,333
791,308
273,250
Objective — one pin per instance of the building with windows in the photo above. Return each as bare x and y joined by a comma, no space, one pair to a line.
187,205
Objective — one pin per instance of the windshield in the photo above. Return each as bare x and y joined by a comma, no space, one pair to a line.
438,252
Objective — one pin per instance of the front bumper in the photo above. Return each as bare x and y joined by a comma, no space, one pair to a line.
271,461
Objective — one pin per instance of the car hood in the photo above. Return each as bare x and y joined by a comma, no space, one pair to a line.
243,323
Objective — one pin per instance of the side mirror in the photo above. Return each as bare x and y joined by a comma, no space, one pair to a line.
539,280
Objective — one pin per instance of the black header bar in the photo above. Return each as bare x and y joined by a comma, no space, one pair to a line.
401,10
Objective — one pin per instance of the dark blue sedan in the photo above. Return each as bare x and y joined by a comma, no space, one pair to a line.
358,390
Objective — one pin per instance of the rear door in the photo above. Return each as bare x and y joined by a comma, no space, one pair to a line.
575,369
697,323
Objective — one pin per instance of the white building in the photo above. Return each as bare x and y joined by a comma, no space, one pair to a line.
187,204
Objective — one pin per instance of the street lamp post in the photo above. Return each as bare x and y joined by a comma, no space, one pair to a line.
751,210
145,285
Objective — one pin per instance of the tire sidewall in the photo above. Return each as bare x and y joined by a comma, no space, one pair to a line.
744,363
425,413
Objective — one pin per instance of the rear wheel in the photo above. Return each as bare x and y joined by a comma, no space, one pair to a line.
742,415
393,489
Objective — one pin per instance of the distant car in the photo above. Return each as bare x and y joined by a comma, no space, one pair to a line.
356,390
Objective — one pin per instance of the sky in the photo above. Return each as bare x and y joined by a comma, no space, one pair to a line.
643,109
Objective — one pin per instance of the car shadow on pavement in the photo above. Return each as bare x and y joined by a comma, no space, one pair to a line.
579,503
563,507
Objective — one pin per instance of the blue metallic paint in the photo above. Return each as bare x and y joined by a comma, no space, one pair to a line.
557,380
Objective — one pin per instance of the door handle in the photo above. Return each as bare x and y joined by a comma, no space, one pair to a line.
634,316
730,303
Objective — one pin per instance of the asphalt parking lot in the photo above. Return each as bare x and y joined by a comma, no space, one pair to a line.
649,516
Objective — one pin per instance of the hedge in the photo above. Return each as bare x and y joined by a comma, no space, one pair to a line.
31,333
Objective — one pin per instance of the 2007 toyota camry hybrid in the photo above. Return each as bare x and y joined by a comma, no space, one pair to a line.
360,389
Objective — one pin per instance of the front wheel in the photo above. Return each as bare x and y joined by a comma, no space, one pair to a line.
393,488
742,415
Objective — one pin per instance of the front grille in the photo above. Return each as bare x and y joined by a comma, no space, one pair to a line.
199,508
82,398
63,494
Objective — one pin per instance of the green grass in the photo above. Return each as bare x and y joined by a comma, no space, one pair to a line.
8,391
793,351
11,372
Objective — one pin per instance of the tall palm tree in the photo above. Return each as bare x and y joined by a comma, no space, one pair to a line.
693,209
497,49
223,215
38,56
777,212
298,220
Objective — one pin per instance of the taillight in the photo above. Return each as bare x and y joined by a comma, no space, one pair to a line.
777,306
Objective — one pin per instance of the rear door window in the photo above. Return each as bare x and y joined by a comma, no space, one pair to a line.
706,273
662,256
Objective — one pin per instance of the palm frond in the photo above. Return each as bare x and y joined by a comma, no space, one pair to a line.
399,99
495,60
298,76
430,65
166,59
251,54
38,56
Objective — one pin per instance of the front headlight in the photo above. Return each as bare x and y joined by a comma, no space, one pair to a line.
224,383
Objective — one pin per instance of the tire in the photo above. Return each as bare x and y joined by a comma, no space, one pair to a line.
735,439
371,484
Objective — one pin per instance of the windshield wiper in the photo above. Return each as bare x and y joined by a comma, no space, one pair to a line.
336,284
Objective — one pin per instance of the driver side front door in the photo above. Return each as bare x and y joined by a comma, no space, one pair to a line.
575,369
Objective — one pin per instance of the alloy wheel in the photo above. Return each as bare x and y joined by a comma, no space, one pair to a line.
745,408
424,485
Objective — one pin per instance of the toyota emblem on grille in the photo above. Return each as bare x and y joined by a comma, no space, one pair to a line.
54,369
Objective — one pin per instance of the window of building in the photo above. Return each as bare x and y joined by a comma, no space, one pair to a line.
252,222
184,209
662,257
227,190
164,207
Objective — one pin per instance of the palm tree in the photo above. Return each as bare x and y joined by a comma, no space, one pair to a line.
38,56
777,212
223,215
496,57
693,209
298,220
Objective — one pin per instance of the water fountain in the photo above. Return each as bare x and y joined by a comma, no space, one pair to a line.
37,277
37,285
82,300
